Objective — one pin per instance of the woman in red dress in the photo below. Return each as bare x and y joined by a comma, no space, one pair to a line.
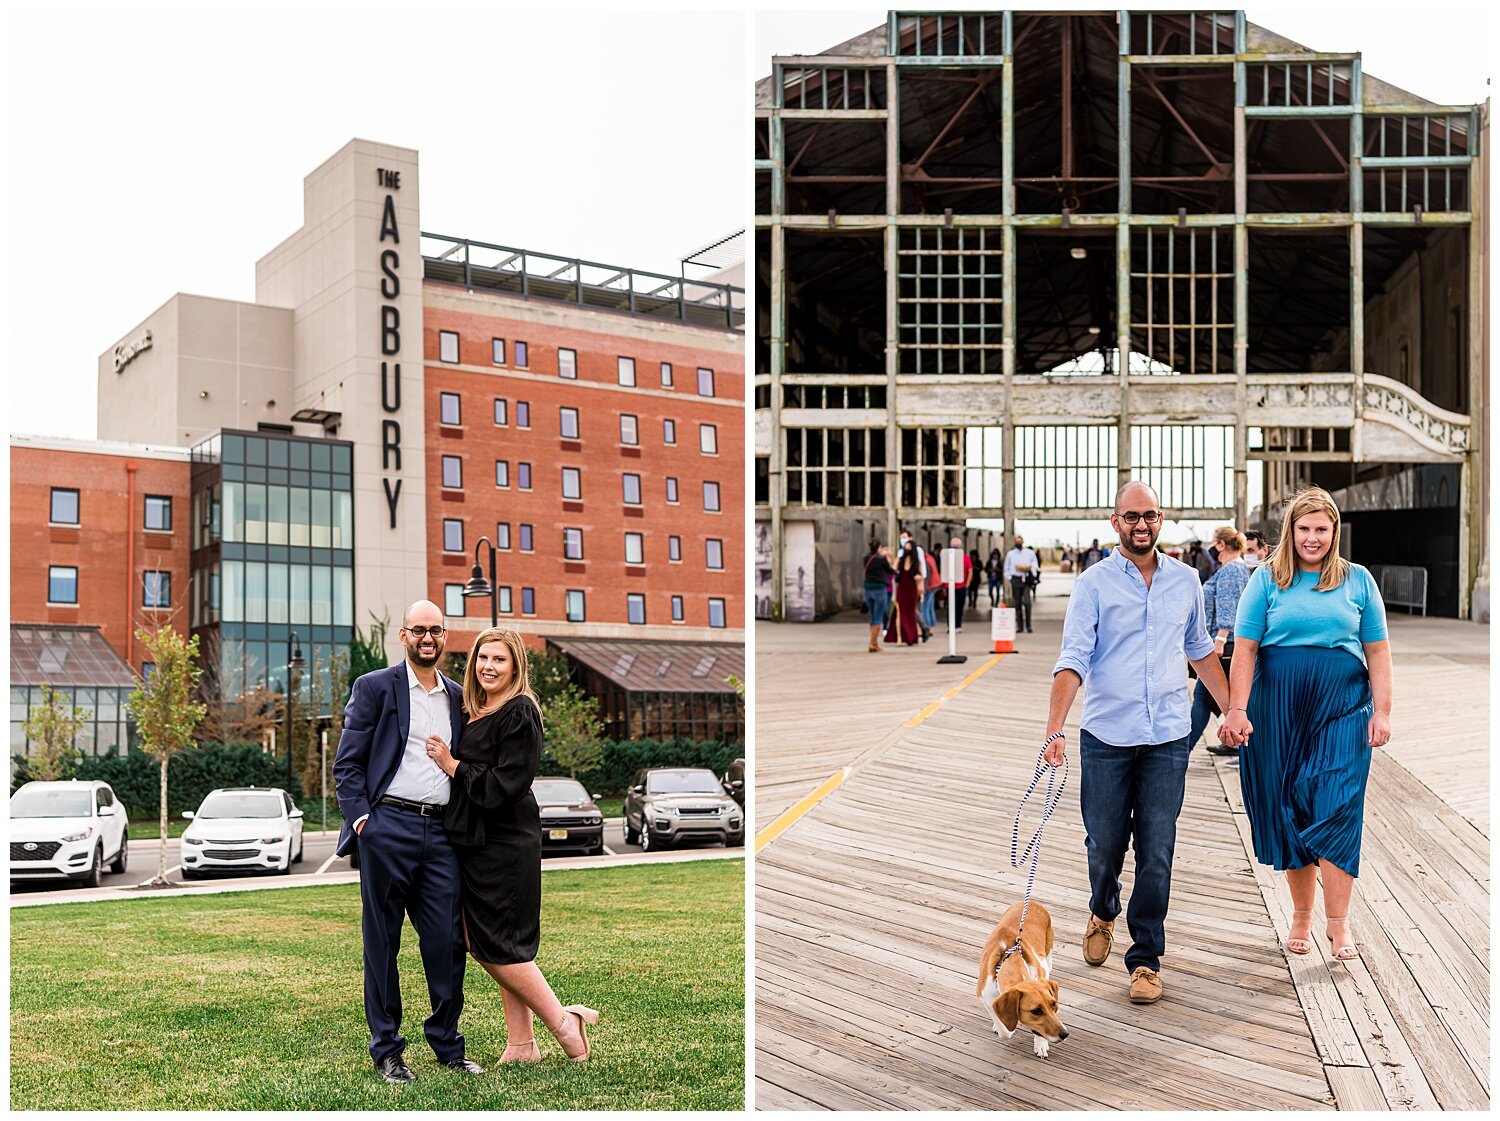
909,587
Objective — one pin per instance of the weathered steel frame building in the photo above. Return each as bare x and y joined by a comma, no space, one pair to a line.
1006,260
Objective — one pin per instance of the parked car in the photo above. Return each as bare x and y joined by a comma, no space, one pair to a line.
668,805
242,829
67,829
570,819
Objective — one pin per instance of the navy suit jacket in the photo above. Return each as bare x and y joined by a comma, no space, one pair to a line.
376,721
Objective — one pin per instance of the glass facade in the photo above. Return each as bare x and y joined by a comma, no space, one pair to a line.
272,553
106,725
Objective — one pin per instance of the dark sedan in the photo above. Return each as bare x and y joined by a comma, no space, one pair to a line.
570,819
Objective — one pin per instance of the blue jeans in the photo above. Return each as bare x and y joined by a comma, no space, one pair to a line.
1137,791
926,615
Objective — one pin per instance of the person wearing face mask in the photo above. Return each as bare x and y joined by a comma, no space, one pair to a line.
1256,548
1312,680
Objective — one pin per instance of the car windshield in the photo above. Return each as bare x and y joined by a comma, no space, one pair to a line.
554,792
241,805
35,802
683,782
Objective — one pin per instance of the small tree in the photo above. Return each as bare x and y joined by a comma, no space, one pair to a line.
573,730
166,716
51,729
367,654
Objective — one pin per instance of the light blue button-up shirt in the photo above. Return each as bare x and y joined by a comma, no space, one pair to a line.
1130,647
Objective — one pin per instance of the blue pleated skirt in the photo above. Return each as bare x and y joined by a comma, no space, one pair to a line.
1304,771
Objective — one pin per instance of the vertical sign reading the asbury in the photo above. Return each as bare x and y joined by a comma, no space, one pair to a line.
390,341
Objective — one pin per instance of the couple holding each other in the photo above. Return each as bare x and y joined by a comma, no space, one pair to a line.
434,781
1310,678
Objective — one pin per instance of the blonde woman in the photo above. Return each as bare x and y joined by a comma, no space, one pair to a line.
495,827
1312,665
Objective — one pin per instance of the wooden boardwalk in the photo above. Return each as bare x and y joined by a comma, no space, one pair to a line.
872,907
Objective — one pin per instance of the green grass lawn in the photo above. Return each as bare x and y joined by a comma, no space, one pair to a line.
611,807
254,1001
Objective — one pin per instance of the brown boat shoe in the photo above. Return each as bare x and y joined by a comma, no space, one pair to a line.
1098,937
1145,985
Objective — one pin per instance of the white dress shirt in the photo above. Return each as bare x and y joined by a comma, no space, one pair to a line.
418,778
1019,557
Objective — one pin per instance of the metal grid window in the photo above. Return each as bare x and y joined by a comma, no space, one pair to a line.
949,296
1190,465
1416,162
932,466
1185,294
1066,467
835,466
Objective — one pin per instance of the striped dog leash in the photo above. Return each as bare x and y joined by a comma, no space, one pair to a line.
1033,851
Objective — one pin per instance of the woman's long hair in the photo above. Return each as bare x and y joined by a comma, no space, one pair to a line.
1331,573
520,679
908,559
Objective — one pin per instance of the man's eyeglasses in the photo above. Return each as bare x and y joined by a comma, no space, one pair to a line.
1150,517
422,632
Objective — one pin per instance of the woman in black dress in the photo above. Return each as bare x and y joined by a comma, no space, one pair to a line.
496,829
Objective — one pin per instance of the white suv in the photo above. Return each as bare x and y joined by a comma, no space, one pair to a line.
69,829
242,829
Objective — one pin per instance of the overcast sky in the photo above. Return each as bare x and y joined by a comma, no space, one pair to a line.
154,150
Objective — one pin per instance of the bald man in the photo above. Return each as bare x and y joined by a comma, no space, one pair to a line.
392,796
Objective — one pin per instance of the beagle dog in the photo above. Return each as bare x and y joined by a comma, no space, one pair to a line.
1016,988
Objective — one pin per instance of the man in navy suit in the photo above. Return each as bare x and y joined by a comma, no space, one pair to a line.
392,797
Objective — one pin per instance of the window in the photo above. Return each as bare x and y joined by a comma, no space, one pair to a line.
711,497
575,606
453,600
497,351
147,669
528,600
635,608
502,536
716,613
62,584
156,589
627,371
453,535
64,507
631,485
521,355
572,483
628,430
674,548
523,414
567,423
525,538
708,439
572,544
666,375
523,476
449,408
635,548
668,431
502,412
453,472
567,363
502,472
705,382
505,607
714,552
158,512
672,489
677,609
448,346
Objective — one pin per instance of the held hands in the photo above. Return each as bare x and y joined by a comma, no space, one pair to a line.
1380,729
1235,729
438,752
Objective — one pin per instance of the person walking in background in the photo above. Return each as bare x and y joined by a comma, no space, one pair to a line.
928,613
1221,598
1201,561
1022,566
976,575
878,577
909,586
1256,549
1092,557
1311,684
994,569
956,587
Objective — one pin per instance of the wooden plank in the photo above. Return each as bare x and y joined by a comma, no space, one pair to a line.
1356,1088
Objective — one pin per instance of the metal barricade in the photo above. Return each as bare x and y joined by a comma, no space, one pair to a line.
1402,585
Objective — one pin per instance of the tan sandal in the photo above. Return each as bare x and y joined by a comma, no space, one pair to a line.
586,1016
1300,945
533,1053
1348,951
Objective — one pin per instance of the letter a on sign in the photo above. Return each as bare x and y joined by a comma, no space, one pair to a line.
388,221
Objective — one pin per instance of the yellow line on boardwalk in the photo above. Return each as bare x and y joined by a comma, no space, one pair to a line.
792,815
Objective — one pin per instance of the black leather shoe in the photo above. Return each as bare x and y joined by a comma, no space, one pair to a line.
395,1071
464,1066
1222,749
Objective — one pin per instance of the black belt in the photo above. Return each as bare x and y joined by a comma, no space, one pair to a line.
426,809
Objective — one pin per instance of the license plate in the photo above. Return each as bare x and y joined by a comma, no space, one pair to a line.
557,834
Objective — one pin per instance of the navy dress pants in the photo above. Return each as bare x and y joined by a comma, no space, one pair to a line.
408,867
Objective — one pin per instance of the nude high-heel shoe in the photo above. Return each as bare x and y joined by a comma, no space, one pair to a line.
527,1052
585,1016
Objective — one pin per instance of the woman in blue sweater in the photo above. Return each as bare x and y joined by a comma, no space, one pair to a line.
1311,678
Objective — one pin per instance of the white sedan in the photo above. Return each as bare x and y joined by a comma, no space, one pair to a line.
242,829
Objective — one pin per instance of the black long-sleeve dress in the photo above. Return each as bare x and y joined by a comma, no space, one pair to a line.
497,832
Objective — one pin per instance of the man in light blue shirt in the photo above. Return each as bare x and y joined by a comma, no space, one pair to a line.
1133,621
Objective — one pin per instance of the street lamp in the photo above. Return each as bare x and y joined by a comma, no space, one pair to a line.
296,663
479,586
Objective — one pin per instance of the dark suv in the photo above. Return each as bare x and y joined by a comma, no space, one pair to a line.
667,805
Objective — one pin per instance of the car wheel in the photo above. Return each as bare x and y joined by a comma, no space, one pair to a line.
734,841
189,874
632,836
92,877
117,866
